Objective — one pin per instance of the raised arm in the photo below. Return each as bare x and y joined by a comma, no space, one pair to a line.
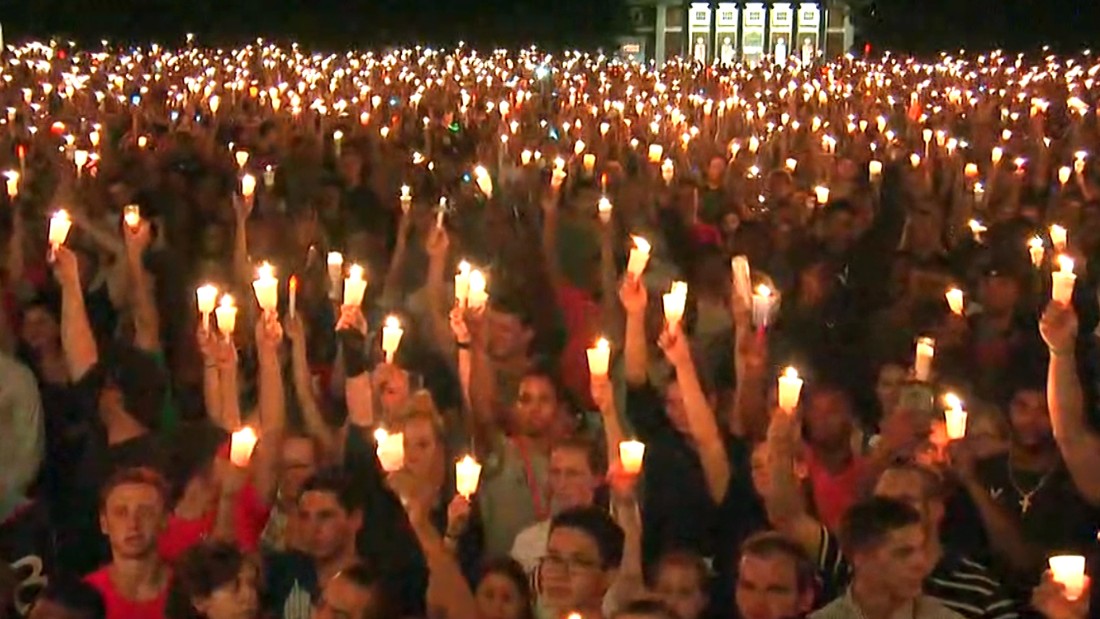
700,416
632,294
272,406
784,500
143,304
211,378
437,246
603,394
303,387
550,220
483,389
1080,446
391,285
77,339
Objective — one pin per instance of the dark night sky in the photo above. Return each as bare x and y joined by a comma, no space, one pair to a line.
906,24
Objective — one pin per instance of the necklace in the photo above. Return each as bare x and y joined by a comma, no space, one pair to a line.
1025,497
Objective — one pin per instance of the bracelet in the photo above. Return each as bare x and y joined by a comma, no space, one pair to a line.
463,345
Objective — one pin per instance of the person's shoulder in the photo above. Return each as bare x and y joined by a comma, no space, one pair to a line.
837,609
931,608
100,579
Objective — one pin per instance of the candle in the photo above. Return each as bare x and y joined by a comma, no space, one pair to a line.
337,140
142,142
462,284
293,286
335,270
214,102
131,215
60,224
207,297
589,162
1035,248
579,147
478,297
639,257
971,170
467,475
926,351
1063,281
604,128
80,159
761,306
406,198
355,286
955,300
440,212
656,151
1064,174
1058,237
997,154
822,194
391,337
226,315
241,445
266,287
675,301
242,158
668,171
792,164
269,177
875,170
1069,571
484,183
248,186
604,209
13,184
954,417
631,454
390,450
790,388
914,160
599,358
525,158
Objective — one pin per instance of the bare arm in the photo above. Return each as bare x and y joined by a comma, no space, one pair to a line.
391,285
635,346
77,339
303,388
144,307
447,587
785,504
211,379
272,406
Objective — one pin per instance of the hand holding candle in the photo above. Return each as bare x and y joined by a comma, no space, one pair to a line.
226,315
266,287
790,389
762,306
60,224
391,337
1063,281
478,296
462,284
675,302
131,216
355,286
639,257
599,358
467,476
668,171
12,184
955,301
484,182
248,186
631,455
207,297
926,351
241,445
1069,571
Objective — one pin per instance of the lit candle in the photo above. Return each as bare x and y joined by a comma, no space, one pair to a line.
484,183
266,287
971,171
226,315
80,159
241,445
668,171
639,257
1063,281
248,186
142,142
822,194
599,358
1035,248
525,158
60,223
242,158
604,128
131,215
406,198
390,450
391,337
1069,571
579,147
792,164
589,162
790,388
997,154
656,151
955,300
1058,237
604,209
13,184
914,160
631,455
269,177
355,286
293,288
761,306
954,417
875,169
478,297
462,284
926,351
675,302
337,141
467,476
335,271
1064,174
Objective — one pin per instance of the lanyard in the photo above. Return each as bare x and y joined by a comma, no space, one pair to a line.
541,511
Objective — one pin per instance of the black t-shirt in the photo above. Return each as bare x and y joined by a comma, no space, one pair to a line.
27,545
291,585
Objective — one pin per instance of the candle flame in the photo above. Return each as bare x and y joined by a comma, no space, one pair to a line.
393,322
335,258
952,401
763,291
266,271
355,272
790,372
227,301
1065,263
641,244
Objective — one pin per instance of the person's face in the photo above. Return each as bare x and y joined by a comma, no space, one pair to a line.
814,282
40,330
679,588
299,463
394,392
498,598
351,168
999,294
716,169
674,407
536,406
327,529
508,337
899,565
888,387
572,481
572,575
238,599
422,448
767,588
1029,418
828,420
343,599
132,518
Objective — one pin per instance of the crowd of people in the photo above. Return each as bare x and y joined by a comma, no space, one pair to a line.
636,342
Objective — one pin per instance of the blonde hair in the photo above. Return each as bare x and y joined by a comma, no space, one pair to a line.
421,406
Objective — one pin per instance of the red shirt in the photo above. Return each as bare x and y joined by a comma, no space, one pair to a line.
249,519
119,607
834,493
578,310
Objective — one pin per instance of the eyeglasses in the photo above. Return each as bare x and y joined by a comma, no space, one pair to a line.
570,565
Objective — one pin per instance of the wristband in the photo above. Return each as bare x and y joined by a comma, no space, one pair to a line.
355,352
462,345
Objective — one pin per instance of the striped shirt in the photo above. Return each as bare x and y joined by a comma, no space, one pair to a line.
962,585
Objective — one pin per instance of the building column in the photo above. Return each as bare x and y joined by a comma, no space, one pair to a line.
659,33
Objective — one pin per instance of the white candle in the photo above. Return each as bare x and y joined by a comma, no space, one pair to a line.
631,455
955,300
226,315
293,289
242,158
675,302
926,351
790,388
1069,571
525,158
656,151
997,154
355,286
1063,281
462,284
12,184
266,287
792,164
390,450
241,445
440,212
599,358
131,215
875,170
484,183
822,194
335,271
971,170
1058,237
1035,248
60,223
1064,174
954,417
761,306
604,209
478,297
467,476
639,257
914,160
668,171
269,177
589,162
391,337
248,186
80,159
406,198
207,297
